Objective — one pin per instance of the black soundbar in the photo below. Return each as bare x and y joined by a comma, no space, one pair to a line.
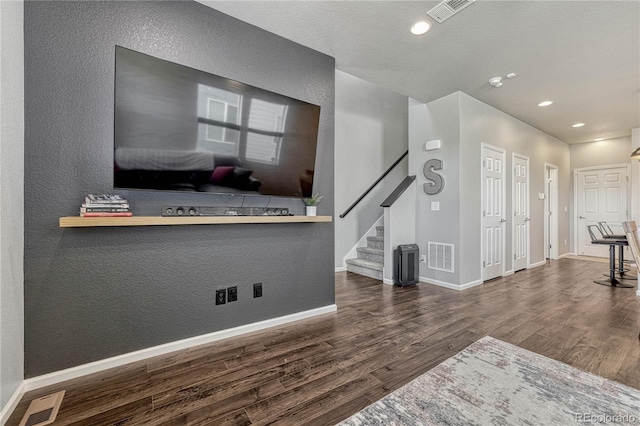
223,211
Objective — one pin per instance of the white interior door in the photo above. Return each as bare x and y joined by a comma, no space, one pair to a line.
520,207
493,215
551,211
601,197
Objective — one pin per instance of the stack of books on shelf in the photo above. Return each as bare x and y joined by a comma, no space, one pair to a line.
105,205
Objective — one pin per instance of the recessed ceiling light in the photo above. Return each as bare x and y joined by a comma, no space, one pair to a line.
545,103
420,27
598,140
578,125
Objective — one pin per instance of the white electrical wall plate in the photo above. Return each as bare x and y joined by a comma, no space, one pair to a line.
432,145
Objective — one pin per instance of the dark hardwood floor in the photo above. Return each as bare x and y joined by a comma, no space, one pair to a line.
322,370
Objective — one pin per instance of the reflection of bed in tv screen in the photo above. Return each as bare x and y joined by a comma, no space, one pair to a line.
177,128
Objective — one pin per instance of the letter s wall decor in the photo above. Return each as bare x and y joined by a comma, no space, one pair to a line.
436,180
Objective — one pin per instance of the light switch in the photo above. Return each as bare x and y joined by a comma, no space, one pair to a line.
432,145
540,195
435,206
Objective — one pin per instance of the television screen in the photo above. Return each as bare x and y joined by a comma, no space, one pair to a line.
178,128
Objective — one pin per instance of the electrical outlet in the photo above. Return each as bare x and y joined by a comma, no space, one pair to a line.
232,294
423,258
220,297
257,290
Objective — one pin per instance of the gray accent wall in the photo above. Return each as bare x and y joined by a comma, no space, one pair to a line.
371,134
439,119
11,199
93,293
463,124
482,123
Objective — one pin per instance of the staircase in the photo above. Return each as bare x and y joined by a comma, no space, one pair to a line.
370,260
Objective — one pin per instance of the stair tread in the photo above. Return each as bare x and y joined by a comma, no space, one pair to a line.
376,238
377,266
370,250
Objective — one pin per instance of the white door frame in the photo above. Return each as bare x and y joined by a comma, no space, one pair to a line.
551,204
575,196
513,222
504,204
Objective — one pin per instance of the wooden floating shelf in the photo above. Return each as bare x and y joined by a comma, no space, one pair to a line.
88,222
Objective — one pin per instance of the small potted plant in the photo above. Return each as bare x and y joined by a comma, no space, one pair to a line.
312,203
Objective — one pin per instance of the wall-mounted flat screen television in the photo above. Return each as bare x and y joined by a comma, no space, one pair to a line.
178,128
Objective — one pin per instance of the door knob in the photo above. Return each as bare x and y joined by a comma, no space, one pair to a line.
503,220
581,217
527,220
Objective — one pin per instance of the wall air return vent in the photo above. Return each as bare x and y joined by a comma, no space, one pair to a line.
446,9
441,257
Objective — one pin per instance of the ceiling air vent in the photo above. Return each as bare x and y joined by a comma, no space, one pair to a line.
447,9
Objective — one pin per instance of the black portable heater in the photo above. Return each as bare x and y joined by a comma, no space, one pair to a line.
405,265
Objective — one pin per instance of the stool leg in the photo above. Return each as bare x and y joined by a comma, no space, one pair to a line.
612,264
621,269
613,281
621,259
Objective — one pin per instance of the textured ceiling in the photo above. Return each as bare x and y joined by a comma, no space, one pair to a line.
583,55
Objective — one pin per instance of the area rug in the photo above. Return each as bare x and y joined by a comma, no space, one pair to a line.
495,383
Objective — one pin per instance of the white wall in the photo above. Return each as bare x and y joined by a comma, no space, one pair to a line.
635,177
11,199
399,227
602,153
370,134
463,123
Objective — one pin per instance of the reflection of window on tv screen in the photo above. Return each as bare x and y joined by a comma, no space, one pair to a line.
177,128
223,125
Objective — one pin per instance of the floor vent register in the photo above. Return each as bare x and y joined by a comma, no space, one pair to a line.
43,411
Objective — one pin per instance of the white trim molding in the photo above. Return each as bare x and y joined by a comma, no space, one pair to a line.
341,269
458,287
471,284
509,272
11,405
535,265
566,255
117,361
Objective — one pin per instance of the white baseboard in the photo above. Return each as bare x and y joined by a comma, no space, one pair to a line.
507,273
535,265
566,255
341,269
387,281
470,284
117,361
11,405
458,287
